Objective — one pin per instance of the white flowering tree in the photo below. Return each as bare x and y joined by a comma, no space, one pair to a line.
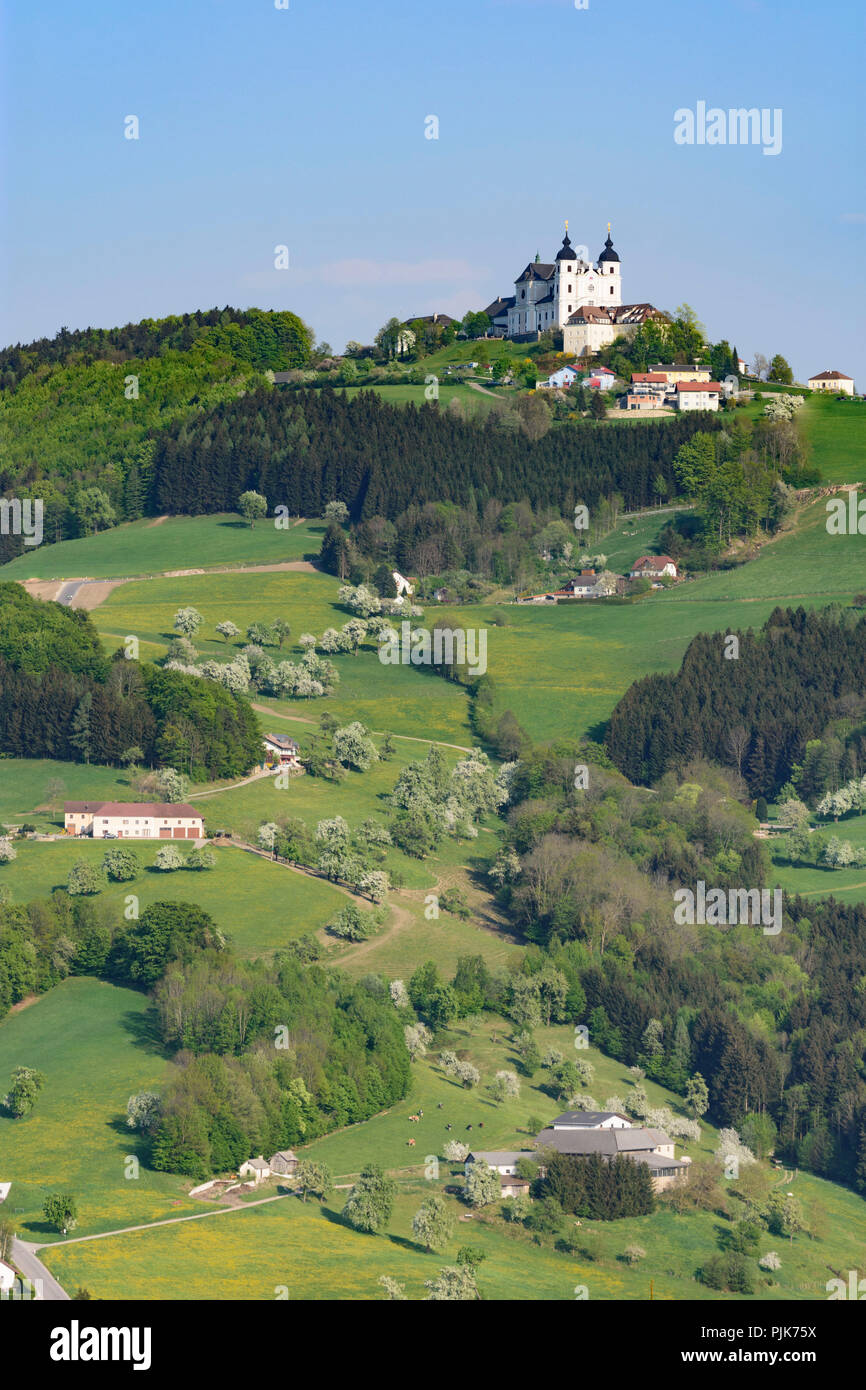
731,1147
354,748
399,994
188,621
482,1184
417,1038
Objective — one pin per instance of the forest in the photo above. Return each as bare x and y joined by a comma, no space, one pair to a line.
775,1026
60,697
303,449
754,711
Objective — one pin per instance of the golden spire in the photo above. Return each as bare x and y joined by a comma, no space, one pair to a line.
608,229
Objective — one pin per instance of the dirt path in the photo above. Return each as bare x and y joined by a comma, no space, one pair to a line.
150,1225
90,593
157,521
403,738
196,796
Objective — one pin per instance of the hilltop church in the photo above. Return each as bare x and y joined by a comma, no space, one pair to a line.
582,299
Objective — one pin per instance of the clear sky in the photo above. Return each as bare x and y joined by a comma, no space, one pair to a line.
305,127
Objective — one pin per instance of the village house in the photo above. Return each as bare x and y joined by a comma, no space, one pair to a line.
832,381
255,1168
680,371
637,400
282,750
588,584
7,1279
600,379
591,1119
653,567
698,395
133,820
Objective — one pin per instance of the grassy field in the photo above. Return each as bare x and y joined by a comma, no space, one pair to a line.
848,885
288,1249
258,904
25,782
836,435
396,698
148,547
94,1043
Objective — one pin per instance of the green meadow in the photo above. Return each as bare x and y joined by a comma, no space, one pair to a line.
397,698
95,1045
836,432
288,1249
26,795
259,905
848,885
151,547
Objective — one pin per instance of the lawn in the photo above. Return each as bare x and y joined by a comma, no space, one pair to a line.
148,547
95,1045
848,885
836,435
25,782
258,904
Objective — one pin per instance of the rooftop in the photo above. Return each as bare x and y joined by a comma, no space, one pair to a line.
174,810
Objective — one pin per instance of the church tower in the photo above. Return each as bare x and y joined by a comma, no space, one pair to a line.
566,281
610,273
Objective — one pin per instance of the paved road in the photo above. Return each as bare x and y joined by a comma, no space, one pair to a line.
25,1258
66,593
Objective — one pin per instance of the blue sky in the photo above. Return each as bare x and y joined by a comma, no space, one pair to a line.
306,127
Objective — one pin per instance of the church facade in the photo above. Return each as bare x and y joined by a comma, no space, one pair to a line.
581,298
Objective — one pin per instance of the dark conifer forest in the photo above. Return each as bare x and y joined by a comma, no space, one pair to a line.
303,449
789,680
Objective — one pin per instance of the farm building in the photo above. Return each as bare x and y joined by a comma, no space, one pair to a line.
283,750
133,820
588,584
591,1119
255,1168
284,1162
568,1135
7,1278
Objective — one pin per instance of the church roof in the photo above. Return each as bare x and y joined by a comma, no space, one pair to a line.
608,254
567,251
537,270
498,307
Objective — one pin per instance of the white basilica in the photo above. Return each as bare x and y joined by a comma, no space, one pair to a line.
582,299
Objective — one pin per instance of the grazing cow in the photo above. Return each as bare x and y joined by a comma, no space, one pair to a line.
411,1143
480,1124
448,1126
468,1126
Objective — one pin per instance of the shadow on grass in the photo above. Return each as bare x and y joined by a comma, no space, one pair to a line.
143,1028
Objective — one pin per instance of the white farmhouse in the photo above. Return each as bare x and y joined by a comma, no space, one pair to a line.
255,1168
832,381
133,820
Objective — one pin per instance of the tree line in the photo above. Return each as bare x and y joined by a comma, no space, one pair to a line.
60,697
303,449
755,711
